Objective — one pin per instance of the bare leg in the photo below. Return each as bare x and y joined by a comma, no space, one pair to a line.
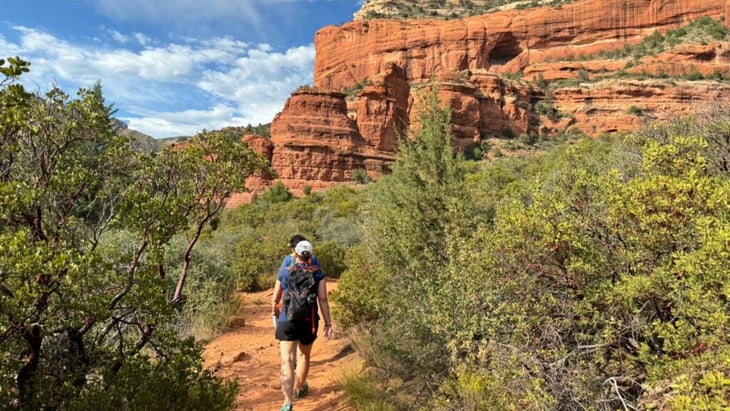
288,360
303,354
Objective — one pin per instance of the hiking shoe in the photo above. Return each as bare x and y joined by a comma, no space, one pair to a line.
287,407
301,393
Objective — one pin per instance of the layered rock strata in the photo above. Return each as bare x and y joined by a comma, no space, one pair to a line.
316,143
493,71
506,41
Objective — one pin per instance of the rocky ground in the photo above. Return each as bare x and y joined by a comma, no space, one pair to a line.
250,355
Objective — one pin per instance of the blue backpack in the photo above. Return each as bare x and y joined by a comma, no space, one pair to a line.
300,301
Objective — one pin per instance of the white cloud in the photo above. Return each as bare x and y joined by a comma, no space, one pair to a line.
261,72
171,89
119,37
141,38
187,122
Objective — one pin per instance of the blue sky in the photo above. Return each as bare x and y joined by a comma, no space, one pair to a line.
172,67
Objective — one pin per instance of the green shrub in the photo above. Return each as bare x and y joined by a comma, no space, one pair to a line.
636,110
546,109
527,139
211,300
278,193
415,220
500,388
174,382
540,82
351,91
363,393
694,75
476,151
332,258
360,296
599,279
508,133
343,231
360,175
258,256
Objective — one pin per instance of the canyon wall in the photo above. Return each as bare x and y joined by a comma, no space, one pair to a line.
493,71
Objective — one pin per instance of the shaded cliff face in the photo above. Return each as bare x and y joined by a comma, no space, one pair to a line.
317,144
496,72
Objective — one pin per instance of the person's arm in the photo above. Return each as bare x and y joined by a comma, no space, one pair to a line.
276,298
324,306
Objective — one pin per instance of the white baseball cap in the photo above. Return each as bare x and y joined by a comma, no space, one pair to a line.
303,248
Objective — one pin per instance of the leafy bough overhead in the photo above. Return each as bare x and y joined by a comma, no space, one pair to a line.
84,224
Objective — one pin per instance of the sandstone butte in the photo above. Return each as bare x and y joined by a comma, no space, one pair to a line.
486,68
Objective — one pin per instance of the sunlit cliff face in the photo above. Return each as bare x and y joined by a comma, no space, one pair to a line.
511,74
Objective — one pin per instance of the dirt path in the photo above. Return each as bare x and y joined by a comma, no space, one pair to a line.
250,354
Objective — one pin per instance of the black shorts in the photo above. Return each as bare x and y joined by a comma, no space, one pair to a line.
297,331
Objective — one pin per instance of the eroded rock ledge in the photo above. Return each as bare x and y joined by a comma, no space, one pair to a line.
368,75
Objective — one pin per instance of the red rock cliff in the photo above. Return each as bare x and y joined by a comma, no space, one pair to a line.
316,143
491,71
503,41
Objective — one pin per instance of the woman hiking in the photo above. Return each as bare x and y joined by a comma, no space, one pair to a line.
302,288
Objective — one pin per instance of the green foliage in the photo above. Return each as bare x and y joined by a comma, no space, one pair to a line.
259,130
365,305
694,75
360,175
205,311
352,91
501,388
636,110
342,201
332,256
254,237
278,193
572,246
344,231
176,382
414,9
396,279
526,138
259,254
363,392
15,68
566,83
508,133
592,277
702,31
546,109
476,151
86,302
540,82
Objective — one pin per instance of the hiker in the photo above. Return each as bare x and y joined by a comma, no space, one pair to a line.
302,287
289,259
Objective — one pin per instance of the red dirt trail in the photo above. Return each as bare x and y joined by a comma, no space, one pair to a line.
250,354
